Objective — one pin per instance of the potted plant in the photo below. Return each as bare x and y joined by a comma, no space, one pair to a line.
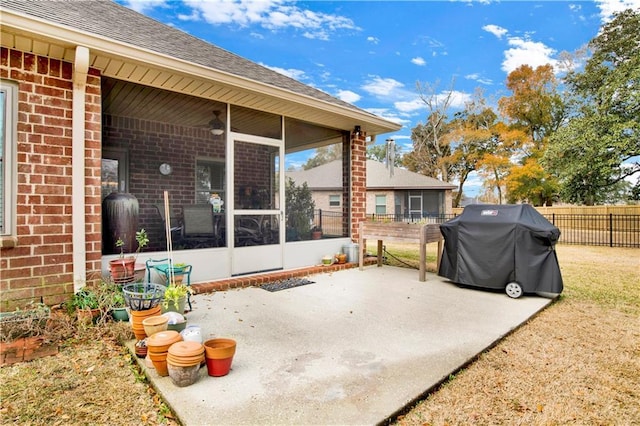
316,233
179,270
123,268
115,302
86,304
175,298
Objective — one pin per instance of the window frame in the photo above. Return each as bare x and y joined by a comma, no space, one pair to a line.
333,198
378,205
220,191
8,145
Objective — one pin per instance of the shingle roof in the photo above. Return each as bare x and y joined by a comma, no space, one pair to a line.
113,21
329,176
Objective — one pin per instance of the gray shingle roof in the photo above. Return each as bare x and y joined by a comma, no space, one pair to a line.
113,21
329,176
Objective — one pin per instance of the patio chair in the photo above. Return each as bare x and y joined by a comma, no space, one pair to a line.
199,226
161,266
176,228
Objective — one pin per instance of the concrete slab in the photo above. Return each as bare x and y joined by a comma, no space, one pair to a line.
352,348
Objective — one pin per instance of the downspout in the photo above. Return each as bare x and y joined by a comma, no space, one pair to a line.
80,70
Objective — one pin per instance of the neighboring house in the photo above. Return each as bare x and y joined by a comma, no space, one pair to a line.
97,98
404,193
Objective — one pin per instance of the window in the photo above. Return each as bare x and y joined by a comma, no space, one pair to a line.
334,200
8,132
381,204
114,171
209,179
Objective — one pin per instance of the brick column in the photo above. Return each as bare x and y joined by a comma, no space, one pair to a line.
357,182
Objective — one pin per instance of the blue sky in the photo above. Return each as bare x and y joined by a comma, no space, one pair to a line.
372,53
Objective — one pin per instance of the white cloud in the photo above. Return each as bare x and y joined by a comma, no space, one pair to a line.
528,52
194,16
409,106
141,6
348,96
290,72
373,40
419,61
609,7
477,77
272,15
389,115
495,30
458,99
382,86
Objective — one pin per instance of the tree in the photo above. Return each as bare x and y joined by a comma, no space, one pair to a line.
535,105
300,209
430,148
537,109
470,136
323,155
495,164
379,153
599,146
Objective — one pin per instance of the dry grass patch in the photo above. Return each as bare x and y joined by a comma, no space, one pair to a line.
577,362
92,380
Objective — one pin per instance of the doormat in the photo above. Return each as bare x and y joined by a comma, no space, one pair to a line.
285,284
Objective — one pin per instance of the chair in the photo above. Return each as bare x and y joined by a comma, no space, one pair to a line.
162,267
199,227
176,229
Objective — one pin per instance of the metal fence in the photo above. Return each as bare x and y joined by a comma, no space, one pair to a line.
613,230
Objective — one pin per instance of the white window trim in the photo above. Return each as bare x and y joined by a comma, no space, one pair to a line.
9,179
339,201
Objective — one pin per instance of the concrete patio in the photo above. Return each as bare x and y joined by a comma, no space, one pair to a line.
352,348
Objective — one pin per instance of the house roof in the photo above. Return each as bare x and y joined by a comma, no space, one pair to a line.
129,46
329,177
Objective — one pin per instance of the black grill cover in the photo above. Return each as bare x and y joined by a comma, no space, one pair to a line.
490,246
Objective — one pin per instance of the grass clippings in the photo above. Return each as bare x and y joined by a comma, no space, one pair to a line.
577,362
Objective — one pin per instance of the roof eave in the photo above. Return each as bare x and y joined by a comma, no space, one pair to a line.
70,38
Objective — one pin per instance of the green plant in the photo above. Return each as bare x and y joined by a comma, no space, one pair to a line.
87,298
300,209
142,239
174,293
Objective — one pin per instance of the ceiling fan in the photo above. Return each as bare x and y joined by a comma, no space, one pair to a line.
216,126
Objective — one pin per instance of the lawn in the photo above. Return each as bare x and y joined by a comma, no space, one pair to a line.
577,362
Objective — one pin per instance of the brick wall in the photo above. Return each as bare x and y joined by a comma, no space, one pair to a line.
358,181
151,143
40,266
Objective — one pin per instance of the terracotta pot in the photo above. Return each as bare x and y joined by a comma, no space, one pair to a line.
219,367
123,270
219,355
157,346
136,320
160,342
185,353
87,316
155,324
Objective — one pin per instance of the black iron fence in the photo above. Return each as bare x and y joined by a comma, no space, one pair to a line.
613,230
330,222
